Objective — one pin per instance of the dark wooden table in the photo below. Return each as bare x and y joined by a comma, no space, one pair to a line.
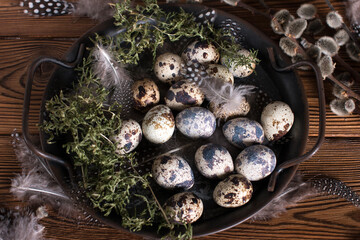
23,38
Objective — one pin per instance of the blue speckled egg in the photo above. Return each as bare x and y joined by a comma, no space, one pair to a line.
172,171
243,132
255,162
196,122
213,161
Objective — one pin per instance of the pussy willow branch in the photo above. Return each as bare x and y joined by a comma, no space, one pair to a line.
338,59
344,26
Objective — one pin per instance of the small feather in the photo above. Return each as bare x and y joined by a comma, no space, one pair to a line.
113,75
20,225
334,20
225,95
296,191
94,9
46,7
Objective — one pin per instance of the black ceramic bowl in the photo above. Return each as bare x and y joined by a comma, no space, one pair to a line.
284,86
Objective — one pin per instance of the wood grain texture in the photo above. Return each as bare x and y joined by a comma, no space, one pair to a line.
318,217
24,38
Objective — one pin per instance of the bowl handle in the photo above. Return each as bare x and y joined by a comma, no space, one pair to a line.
25,115
322,118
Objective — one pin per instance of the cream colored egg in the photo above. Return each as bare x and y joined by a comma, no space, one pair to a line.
277,119
234,191
129,136
183,94
240,71
201,52
184,207
146,94
167,67
158,125
220,72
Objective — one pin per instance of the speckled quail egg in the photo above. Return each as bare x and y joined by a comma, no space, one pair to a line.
201,52
234,191
167,67
223,114
243,132
145,94
172,171
255,162
220,72
184,207
213,161
196,122
158,125
277,119
183,94
129,136
239,71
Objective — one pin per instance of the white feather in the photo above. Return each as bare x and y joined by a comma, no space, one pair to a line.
95,9
225,95
20,225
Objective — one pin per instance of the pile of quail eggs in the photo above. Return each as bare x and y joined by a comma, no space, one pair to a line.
184,109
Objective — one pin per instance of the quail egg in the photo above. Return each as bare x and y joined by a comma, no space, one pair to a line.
172,171
220,72
213,161
255,162
196,122
234,191
243,132
129,136
183,94
184,208
167,67
221,113
277,119
145,94
240,71
158,125
202,52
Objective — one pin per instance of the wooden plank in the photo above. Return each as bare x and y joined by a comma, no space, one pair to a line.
318,217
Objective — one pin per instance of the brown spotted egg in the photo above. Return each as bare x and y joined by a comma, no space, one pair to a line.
202,52
220,72
234,191
277,119
158,125
184,94
129,137
255,162
184,208
213,161
221,113
240,71
145,94
167,67
172,171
